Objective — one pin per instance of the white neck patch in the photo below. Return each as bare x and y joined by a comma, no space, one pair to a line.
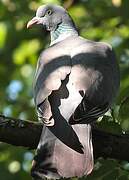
63,36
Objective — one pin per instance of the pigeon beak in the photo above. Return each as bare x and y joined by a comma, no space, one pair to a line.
35,20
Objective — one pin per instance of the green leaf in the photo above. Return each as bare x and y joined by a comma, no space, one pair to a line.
124,114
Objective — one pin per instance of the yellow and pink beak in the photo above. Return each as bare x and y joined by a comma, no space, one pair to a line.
35,20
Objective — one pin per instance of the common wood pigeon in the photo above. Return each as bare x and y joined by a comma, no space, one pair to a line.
76,82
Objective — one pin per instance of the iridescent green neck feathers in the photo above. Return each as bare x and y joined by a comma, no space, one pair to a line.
62,32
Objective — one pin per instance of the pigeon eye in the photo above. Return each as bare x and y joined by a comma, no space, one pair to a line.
49,12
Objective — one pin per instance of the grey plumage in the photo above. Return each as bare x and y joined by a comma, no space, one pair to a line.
76,82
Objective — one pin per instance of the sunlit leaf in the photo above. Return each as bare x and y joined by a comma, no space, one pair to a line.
117,3
14,167
3,34
26,50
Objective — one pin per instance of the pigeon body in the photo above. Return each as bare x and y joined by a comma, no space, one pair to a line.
76,82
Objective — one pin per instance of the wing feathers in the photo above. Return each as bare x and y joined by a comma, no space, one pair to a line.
85,115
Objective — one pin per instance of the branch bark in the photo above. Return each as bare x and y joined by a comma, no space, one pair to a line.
27,133
19,133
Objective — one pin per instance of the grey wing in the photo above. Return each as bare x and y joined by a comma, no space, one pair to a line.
95,74
51,70
87,112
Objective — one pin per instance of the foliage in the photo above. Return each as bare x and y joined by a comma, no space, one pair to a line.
103,20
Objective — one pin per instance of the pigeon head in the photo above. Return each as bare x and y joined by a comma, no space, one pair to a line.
51,16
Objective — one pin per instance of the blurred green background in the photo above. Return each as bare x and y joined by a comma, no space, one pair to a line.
99,20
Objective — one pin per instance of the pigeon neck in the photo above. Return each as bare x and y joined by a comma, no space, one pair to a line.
62,32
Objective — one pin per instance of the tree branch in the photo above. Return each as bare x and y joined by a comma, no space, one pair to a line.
27,133
19,133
